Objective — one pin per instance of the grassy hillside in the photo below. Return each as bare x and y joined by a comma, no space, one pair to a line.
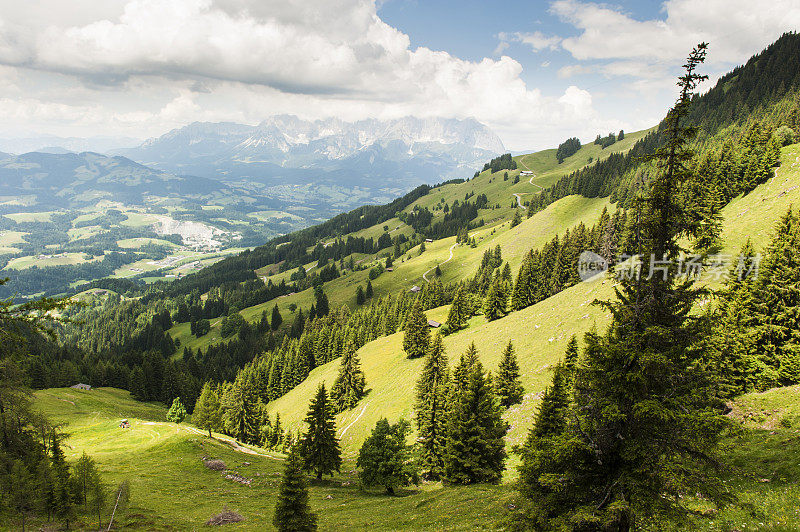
171,489
539,332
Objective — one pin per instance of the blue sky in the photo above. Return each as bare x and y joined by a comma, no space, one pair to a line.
536,72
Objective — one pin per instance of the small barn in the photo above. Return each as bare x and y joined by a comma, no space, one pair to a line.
433,324
415,289
81,386
429,240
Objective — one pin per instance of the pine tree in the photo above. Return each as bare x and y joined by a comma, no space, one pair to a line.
417,332
457,317
369,292
517,218
177,412
319,446
22,490
475,449
292,511
509,387
430,407
384,457
207,413
496,300
62,487
348,388
240,412
360,298
777,304
277,319
644,407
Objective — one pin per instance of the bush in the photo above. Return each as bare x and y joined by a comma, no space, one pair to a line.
785,135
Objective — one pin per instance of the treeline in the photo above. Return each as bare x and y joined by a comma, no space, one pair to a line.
52,280
35,477
567,148
504,162
608,140
754,339
291,249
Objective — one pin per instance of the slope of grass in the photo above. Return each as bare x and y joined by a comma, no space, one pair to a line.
171,489
540,334
755,215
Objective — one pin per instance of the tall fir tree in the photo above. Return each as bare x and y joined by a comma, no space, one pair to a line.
276,319
430,409
240,411
207,413
417,332
319,446
509,387
475,450
457,317
292,511
496,303
348,388
644,406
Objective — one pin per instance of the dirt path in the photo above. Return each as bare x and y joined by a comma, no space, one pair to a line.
425,275
519,200
233,443
344,431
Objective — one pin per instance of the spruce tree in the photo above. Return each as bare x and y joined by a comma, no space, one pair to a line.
63,507
475,449
277,319
417,332
457,317
496,299
240,412
430,409
369,292
509,387
348,388
319,446
176,412
777,305
292,511
207,413
645,423
384,457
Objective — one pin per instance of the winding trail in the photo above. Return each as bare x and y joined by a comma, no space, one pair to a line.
519,200
425,275
344,431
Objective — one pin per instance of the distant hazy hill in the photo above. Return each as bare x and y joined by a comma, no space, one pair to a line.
374,154
75,179
55,144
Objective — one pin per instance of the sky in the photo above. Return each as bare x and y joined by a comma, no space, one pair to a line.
536,72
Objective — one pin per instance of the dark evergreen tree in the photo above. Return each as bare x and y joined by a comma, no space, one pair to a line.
417,332
430,409
509,387
348,388
475,449
458,315
277,319
292,511
319,446
620,457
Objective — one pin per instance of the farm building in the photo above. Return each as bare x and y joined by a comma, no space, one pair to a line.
81,386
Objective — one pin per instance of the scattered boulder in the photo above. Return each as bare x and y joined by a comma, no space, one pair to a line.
215,465
224,518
